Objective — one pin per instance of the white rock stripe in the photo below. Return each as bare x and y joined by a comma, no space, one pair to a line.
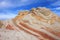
50,34
31,31
36,31
33,25
44,31
40,14
19,30
16,26
33,19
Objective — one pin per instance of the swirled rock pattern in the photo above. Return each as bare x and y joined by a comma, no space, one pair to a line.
35,24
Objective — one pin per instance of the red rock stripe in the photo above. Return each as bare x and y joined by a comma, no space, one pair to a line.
40,33
9,27
20,27
23,29
50,30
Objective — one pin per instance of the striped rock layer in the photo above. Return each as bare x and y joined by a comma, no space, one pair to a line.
36,24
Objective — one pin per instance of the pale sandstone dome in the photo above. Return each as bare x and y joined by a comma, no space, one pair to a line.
36,24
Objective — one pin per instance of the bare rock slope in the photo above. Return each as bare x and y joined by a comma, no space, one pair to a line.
36,24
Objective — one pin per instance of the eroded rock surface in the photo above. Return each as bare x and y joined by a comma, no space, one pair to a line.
35,24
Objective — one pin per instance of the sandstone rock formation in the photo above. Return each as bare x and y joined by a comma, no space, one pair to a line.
36,24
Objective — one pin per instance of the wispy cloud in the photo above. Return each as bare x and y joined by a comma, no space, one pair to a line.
55,7
7,16
10,8
57,3
58,8
6,7
15,3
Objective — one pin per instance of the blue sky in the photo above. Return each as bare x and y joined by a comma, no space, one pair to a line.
10,8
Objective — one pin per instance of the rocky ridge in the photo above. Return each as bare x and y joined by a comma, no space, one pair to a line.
39,22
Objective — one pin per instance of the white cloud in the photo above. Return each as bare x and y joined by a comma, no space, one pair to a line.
5,4
16,3
7,16
57,11
58,8
57,3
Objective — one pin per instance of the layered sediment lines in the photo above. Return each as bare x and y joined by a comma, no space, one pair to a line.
36,24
